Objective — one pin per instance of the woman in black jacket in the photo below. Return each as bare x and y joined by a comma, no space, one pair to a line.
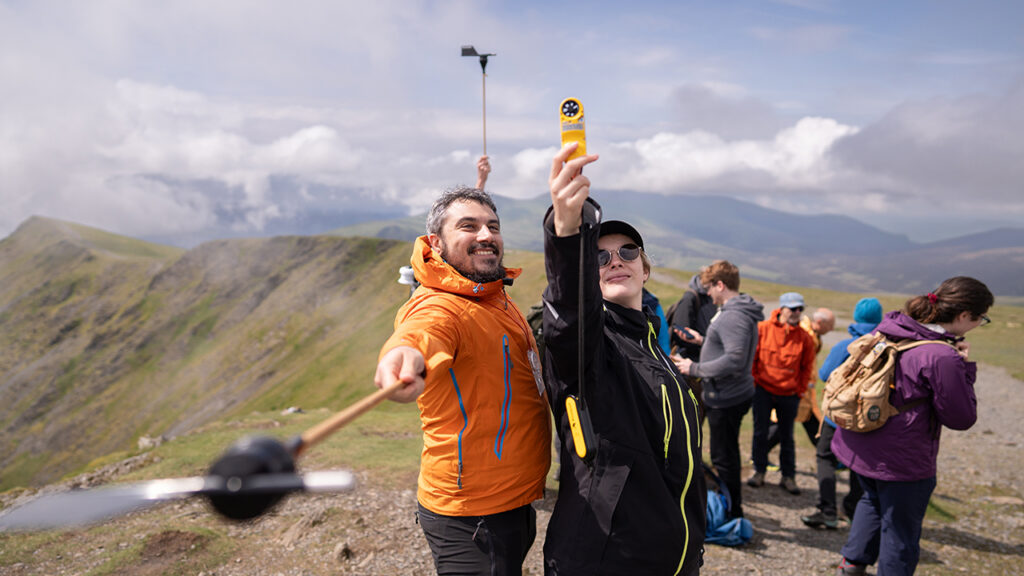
637,506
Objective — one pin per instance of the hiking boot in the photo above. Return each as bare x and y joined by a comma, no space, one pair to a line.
817,520
789,485
847,568
757,480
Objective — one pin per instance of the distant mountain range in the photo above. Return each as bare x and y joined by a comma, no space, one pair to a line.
824,251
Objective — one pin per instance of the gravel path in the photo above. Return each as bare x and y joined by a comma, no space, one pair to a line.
977,527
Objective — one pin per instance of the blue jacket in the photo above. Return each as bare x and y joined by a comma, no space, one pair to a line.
652,302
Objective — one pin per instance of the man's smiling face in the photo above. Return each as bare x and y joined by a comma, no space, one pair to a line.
470,241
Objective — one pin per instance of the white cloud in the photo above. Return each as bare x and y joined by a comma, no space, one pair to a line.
530,171
947,155
698,160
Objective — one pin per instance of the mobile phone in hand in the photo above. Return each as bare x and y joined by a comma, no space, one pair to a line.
685,334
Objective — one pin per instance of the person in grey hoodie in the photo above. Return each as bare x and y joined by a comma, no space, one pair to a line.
726,356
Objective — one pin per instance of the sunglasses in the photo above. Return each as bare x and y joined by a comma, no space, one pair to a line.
626,252
984,319
797,309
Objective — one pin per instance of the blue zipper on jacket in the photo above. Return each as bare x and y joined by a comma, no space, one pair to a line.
465,423
499,442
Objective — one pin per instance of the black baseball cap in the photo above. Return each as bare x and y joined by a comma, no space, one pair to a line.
620,227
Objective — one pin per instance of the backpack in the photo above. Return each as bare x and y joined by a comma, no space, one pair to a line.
535,318
856,396
722,528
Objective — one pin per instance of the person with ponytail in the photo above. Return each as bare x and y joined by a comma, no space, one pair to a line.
897,462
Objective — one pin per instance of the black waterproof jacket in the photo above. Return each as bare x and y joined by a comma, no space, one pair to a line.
639,506
694,310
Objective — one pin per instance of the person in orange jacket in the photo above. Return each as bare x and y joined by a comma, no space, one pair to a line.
470,361
782,369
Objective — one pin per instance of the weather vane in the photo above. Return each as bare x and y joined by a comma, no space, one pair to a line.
469,50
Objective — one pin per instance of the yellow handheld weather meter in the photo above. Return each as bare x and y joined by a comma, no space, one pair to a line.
582,431
573,126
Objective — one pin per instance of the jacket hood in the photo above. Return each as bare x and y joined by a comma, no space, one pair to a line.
745,305
898,326
696,286
858,329
434,272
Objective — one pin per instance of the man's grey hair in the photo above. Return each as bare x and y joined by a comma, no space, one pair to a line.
439,211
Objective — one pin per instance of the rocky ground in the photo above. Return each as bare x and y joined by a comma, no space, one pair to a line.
976,527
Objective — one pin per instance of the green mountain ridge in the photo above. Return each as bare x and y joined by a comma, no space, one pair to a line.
104,338
99,329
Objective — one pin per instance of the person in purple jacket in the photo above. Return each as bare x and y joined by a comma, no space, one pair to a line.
896,463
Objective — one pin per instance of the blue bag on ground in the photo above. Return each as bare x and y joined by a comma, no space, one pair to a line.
721,528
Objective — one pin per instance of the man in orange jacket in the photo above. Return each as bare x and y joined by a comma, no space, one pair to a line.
782,369
470,361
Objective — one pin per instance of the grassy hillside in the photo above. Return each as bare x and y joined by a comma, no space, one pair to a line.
1000,343
104,339
98,348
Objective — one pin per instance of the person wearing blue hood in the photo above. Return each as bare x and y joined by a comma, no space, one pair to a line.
866,316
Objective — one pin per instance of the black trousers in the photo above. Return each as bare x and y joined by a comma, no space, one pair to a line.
810,426
827,478
785,408
492,545
724,432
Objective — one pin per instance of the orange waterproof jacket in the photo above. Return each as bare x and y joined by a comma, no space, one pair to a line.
784,359
486,429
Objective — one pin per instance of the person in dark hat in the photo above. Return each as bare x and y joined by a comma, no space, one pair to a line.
634,501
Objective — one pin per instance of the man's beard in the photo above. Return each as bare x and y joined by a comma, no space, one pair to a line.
479,277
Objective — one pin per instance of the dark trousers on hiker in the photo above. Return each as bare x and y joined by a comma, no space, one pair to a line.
827,465
785,410
492,545
886,528
724,434
810,427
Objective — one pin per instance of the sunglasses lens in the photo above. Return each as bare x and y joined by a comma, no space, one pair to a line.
626,252
629,252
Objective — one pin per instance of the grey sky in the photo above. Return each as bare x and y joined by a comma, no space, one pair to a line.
161,118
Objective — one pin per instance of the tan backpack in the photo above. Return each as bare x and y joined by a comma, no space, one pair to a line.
856,396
